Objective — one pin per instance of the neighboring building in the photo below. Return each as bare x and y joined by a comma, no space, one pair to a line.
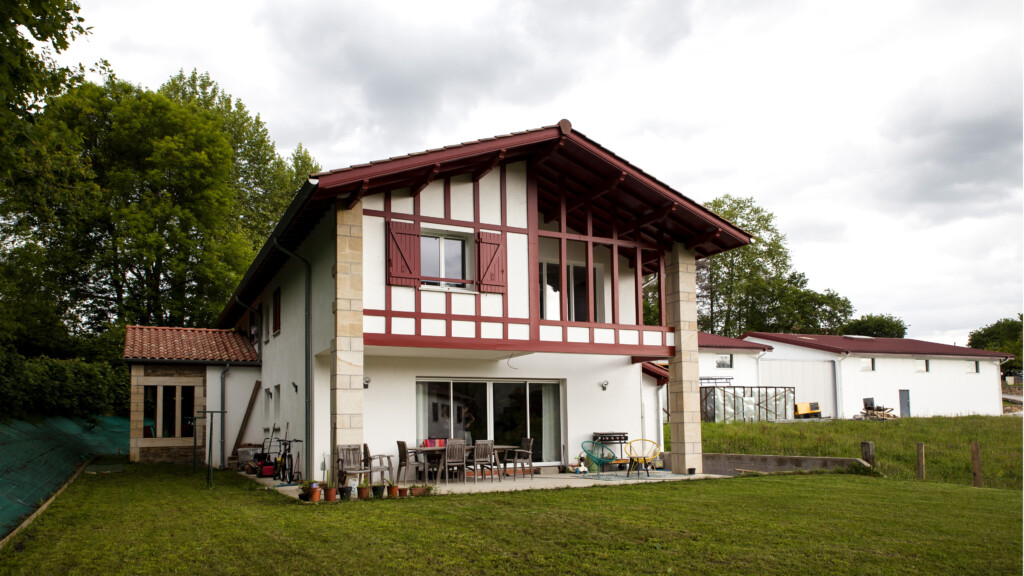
913,377
175,374
490,289
730,361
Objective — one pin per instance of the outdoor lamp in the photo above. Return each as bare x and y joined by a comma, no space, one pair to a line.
604,385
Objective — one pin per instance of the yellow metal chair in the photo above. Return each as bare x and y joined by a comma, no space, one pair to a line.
642,453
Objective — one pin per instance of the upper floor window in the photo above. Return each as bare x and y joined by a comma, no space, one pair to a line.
973,366
444,260
867,364
923,365
723,360
277,309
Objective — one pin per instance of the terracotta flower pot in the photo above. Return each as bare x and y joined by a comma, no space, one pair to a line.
363,492
418,491
392,491
403,492
314,495
330,494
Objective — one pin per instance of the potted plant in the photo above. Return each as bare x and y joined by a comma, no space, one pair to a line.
329,485
309,491
421,489
392,489
363,490
378,490
314,492
403,492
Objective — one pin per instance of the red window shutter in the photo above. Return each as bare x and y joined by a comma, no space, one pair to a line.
490,258
403,253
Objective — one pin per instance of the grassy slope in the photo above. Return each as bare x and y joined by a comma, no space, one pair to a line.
160,520
947,440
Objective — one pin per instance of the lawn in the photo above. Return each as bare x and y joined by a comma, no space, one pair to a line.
947,444
156,519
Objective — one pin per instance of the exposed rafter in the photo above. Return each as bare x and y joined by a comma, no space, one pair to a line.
704,238
356,196
485,169
427,179
653,216
613,184
550,151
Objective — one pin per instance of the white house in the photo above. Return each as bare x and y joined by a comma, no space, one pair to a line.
914,377
490,289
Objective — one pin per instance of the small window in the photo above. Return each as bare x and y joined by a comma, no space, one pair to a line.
867,364
265,323
444,260
923,365
168,411
723,361
973,367
277,310
277,403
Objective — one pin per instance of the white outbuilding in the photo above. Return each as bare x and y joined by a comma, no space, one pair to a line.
914,377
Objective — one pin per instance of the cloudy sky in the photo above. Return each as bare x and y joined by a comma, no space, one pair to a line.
885,136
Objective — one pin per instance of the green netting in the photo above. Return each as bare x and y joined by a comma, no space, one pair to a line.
35,459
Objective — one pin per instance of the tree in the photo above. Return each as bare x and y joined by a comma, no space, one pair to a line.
1002,336
754,288
263,182
145,231
876,325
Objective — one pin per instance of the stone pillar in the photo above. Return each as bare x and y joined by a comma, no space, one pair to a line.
684,382
347,345
136,405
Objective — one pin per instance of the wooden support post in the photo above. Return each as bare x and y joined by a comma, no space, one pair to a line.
976,464
867,452
920,460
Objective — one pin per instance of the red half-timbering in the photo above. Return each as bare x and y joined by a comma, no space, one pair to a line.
578,196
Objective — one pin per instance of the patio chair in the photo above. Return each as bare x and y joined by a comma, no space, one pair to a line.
484,459
521,456
454,457
407,460
375,462
350,462
641,453
598,453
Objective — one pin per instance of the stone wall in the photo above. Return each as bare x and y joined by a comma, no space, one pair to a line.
732,464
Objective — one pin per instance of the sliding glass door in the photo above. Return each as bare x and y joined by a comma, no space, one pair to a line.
504,411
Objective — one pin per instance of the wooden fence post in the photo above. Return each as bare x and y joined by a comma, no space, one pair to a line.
867,452
976,464
920,460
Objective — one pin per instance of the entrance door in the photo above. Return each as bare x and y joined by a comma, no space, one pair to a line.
904,403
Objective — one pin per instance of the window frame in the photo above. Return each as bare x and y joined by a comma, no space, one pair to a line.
276,300
597,278
442,282
718,361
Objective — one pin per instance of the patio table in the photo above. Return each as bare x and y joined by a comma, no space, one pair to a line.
431,453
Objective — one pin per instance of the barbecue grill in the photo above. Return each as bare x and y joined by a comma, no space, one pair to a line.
608,438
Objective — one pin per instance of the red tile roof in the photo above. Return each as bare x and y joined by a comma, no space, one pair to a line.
200,345
869,345
713,341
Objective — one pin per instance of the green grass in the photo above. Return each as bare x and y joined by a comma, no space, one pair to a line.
158,520
947,444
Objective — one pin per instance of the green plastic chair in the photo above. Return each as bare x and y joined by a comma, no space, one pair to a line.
598,453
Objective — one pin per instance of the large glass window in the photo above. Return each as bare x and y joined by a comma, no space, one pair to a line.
516,410
167,410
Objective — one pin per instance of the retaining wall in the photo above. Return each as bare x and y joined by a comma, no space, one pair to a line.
730,464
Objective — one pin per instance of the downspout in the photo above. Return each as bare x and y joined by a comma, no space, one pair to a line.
757,364
839,385
224,416
307,445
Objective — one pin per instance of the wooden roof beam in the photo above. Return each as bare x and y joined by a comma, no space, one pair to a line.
426,179
356,196
652,216
612,184
704,238
480,173
550,151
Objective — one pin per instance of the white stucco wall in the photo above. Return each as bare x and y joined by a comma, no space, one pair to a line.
238,384
947,389
390,401
744,366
